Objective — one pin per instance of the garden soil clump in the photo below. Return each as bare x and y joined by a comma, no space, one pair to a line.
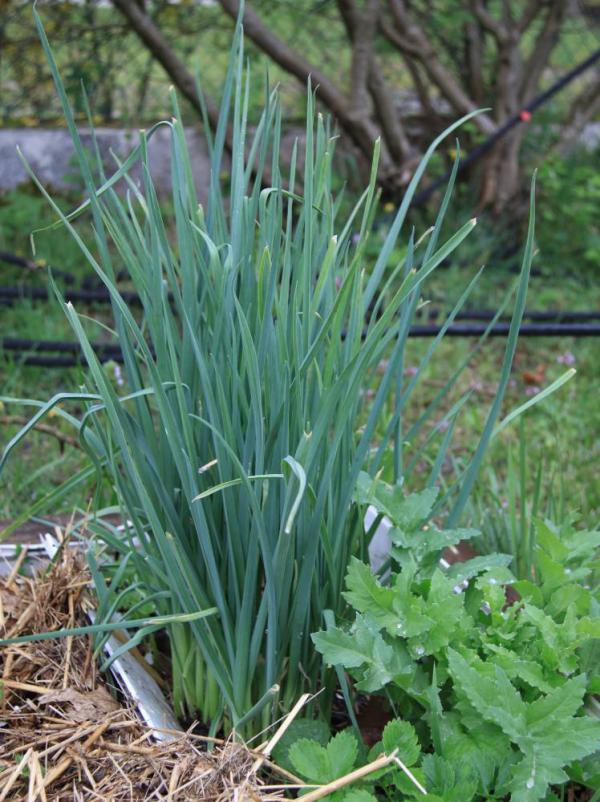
64,735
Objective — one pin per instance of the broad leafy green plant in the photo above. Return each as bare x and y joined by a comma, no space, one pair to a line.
237,439
497,691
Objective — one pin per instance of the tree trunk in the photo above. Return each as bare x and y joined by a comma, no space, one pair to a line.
501,173
157,44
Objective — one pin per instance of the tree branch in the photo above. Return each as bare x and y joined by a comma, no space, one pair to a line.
282,54
584,108
489,22
44,428
544,46
410,38
394,136
361,130
420,86
531,11
157,44
474,52
362,48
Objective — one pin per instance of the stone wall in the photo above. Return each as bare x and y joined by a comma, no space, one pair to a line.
51,155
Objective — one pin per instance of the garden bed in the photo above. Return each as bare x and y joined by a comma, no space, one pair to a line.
68,733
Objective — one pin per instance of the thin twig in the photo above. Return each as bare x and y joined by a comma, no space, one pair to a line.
16,773
357,774
410,775
280,732
59,770
27,613
45,428
16,568
25,686
71,624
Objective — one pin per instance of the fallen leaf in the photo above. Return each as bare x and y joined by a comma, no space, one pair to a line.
93,706
534,376
11,603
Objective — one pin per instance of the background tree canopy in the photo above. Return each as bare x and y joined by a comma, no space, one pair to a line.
400,70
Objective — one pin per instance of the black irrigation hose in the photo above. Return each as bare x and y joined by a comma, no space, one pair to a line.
10,294
50,361
502,329
112,352
31,264
550,316
21,345
85,296
523,117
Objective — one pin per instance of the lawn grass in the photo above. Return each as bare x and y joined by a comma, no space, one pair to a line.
44,461
563,431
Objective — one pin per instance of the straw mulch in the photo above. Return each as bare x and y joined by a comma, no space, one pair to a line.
64,735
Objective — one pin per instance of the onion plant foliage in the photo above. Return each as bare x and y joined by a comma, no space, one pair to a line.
236,444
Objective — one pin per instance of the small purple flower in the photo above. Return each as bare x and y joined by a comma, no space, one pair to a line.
355,239
411,370
566,359
532,390
119,376
443,425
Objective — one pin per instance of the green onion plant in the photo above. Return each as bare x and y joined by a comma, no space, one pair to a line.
235,446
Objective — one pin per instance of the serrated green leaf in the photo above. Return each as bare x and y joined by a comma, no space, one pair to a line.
556,707
404,512
342,751
552,574
311,761
491,564
547,540
517,667
560,640
529,591
588,628
442,725
532,776
312,729
366,595
414,509
401,783
575,739
401,735
568,595
490,692
383,666
412,620
445,608
340,648
427,539
358,795
366,649
440,777
581,544
483,759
